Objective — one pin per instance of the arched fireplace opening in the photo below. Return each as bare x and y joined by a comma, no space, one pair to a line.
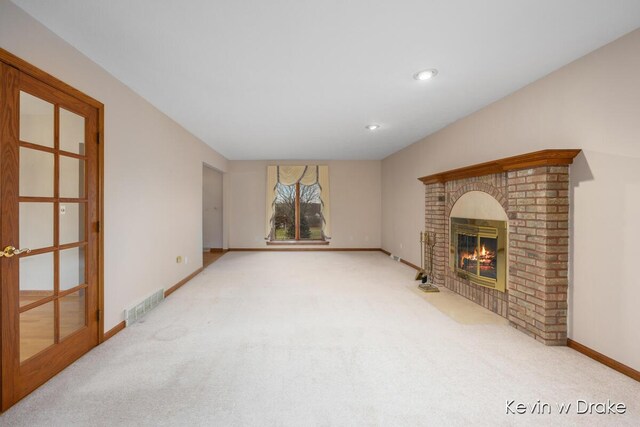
478,240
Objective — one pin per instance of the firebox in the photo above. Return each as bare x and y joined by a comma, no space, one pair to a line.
478,251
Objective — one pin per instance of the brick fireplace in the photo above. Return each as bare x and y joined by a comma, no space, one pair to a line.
533,191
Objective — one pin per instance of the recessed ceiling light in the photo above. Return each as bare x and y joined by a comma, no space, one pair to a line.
426,74
373,127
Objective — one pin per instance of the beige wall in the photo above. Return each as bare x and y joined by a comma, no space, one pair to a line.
153,171
592,104
355,202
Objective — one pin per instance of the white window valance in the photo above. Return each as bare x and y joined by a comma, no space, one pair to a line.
306,175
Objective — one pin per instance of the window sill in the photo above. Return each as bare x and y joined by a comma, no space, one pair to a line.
296,242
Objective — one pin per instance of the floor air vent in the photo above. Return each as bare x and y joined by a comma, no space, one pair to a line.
135,313
395,257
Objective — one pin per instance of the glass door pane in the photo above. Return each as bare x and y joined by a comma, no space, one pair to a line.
72,223
36,278
72,262
71,132
468,253
72,313
36,173
488,257
71,177
36,120
36,225
36,330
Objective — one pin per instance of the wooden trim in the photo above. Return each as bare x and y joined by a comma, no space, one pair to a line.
40,251
409,264
111,332
216,250
70,291
100,225
605,360
35,72
296,242
56,223
37,147
30,199
523,161
52,150
31,293
182,282
42,301
9,296
402,260
303,249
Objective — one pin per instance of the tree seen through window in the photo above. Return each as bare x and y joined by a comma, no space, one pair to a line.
298,213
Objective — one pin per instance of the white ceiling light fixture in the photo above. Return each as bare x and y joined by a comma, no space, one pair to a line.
372,127
426,74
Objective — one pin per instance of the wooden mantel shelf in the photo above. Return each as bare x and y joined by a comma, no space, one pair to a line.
523,161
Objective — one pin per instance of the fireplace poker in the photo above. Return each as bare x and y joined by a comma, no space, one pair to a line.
427,279
421,273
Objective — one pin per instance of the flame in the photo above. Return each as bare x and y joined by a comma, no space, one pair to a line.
485,257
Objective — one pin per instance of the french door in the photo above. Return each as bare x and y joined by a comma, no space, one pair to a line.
48,231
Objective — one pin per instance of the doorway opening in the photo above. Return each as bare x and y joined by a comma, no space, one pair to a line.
212,201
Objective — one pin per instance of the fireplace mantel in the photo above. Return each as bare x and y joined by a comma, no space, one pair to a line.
523,161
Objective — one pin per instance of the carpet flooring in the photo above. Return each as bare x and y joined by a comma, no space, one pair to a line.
320,339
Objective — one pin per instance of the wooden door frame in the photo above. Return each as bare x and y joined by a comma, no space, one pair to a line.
33,71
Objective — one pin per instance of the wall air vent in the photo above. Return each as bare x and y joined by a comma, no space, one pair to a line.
135,313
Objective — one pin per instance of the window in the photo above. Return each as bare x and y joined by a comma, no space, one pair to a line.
298,210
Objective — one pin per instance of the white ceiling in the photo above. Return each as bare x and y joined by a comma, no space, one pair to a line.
300,79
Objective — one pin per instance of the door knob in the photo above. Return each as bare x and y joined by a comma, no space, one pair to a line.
10,251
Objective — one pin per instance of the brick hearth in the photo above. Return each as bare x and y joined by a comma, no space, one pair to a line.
536,200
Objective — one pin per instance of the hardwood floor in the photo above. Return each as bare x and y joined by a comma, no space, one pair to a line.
37,325
209,258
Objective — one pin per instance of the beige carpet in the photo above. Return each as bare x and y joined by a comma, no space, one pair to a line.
319,339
